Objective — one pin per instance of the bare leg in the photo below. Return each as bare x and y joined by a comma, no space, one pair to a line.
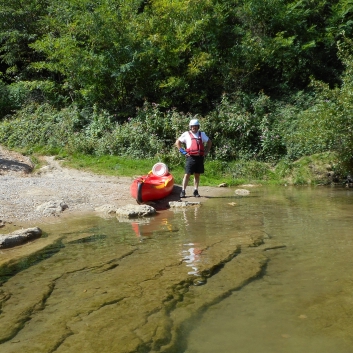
196,181
186,181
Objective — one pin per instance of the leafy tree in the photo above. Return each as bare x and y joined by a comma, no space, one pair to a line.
89,44
284,42
327,124
119,53
4,99
18,28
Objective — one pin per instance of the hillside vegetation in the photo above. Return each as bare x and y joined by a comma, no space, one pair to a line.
271,81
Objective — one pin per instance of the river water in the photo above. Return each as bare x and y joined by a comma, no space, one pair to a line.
267,272
304,302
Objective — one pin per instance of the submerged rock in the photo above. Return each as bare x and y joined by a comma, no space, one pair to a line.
242,192
179,204
108,295
19,237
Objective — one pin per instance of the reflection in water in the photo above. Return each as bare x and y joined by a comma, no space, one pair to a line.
191,256
146,228
191,253
189,216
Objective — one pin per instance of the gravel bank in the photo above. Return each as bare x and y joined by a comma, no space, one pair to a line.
22,191
21,196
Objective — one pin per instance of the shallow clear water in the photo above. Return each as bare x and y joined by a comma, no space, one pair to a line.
304,302
110,285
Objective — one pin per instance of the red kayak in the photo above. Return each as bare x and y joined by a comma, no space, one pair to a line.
151,187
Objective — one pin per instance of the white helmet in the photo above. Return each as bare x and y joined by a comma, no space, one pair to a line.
194,122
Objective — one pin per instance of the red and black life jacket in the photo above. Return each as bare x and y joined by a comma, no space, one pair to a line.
197,148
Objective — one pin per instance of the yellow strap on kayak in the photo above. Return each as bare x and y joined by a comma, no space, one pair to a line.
161,186
143,179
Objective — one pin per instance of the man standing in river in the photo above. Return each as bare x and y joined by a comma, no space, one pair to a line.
197,146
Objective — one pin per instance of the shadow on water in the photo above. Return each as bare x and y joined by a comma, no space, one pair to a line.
89,239
11,269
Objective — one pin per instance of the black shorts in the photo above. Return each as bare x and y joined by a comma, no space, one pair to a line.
194,164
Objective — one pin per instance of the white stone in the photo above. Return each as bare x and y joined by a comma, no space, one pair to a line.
135,211
52,208
242,192
107,209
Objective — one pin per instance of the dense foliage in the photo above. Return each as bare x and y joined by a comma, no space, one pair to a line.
269,79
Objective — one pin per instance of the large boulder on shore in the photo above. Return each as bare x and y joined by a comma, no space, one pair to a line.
19,237
52,208
106,209
136,211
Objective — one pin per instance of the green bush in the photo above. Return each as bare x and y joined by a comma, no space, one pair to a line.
4,100
326,123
